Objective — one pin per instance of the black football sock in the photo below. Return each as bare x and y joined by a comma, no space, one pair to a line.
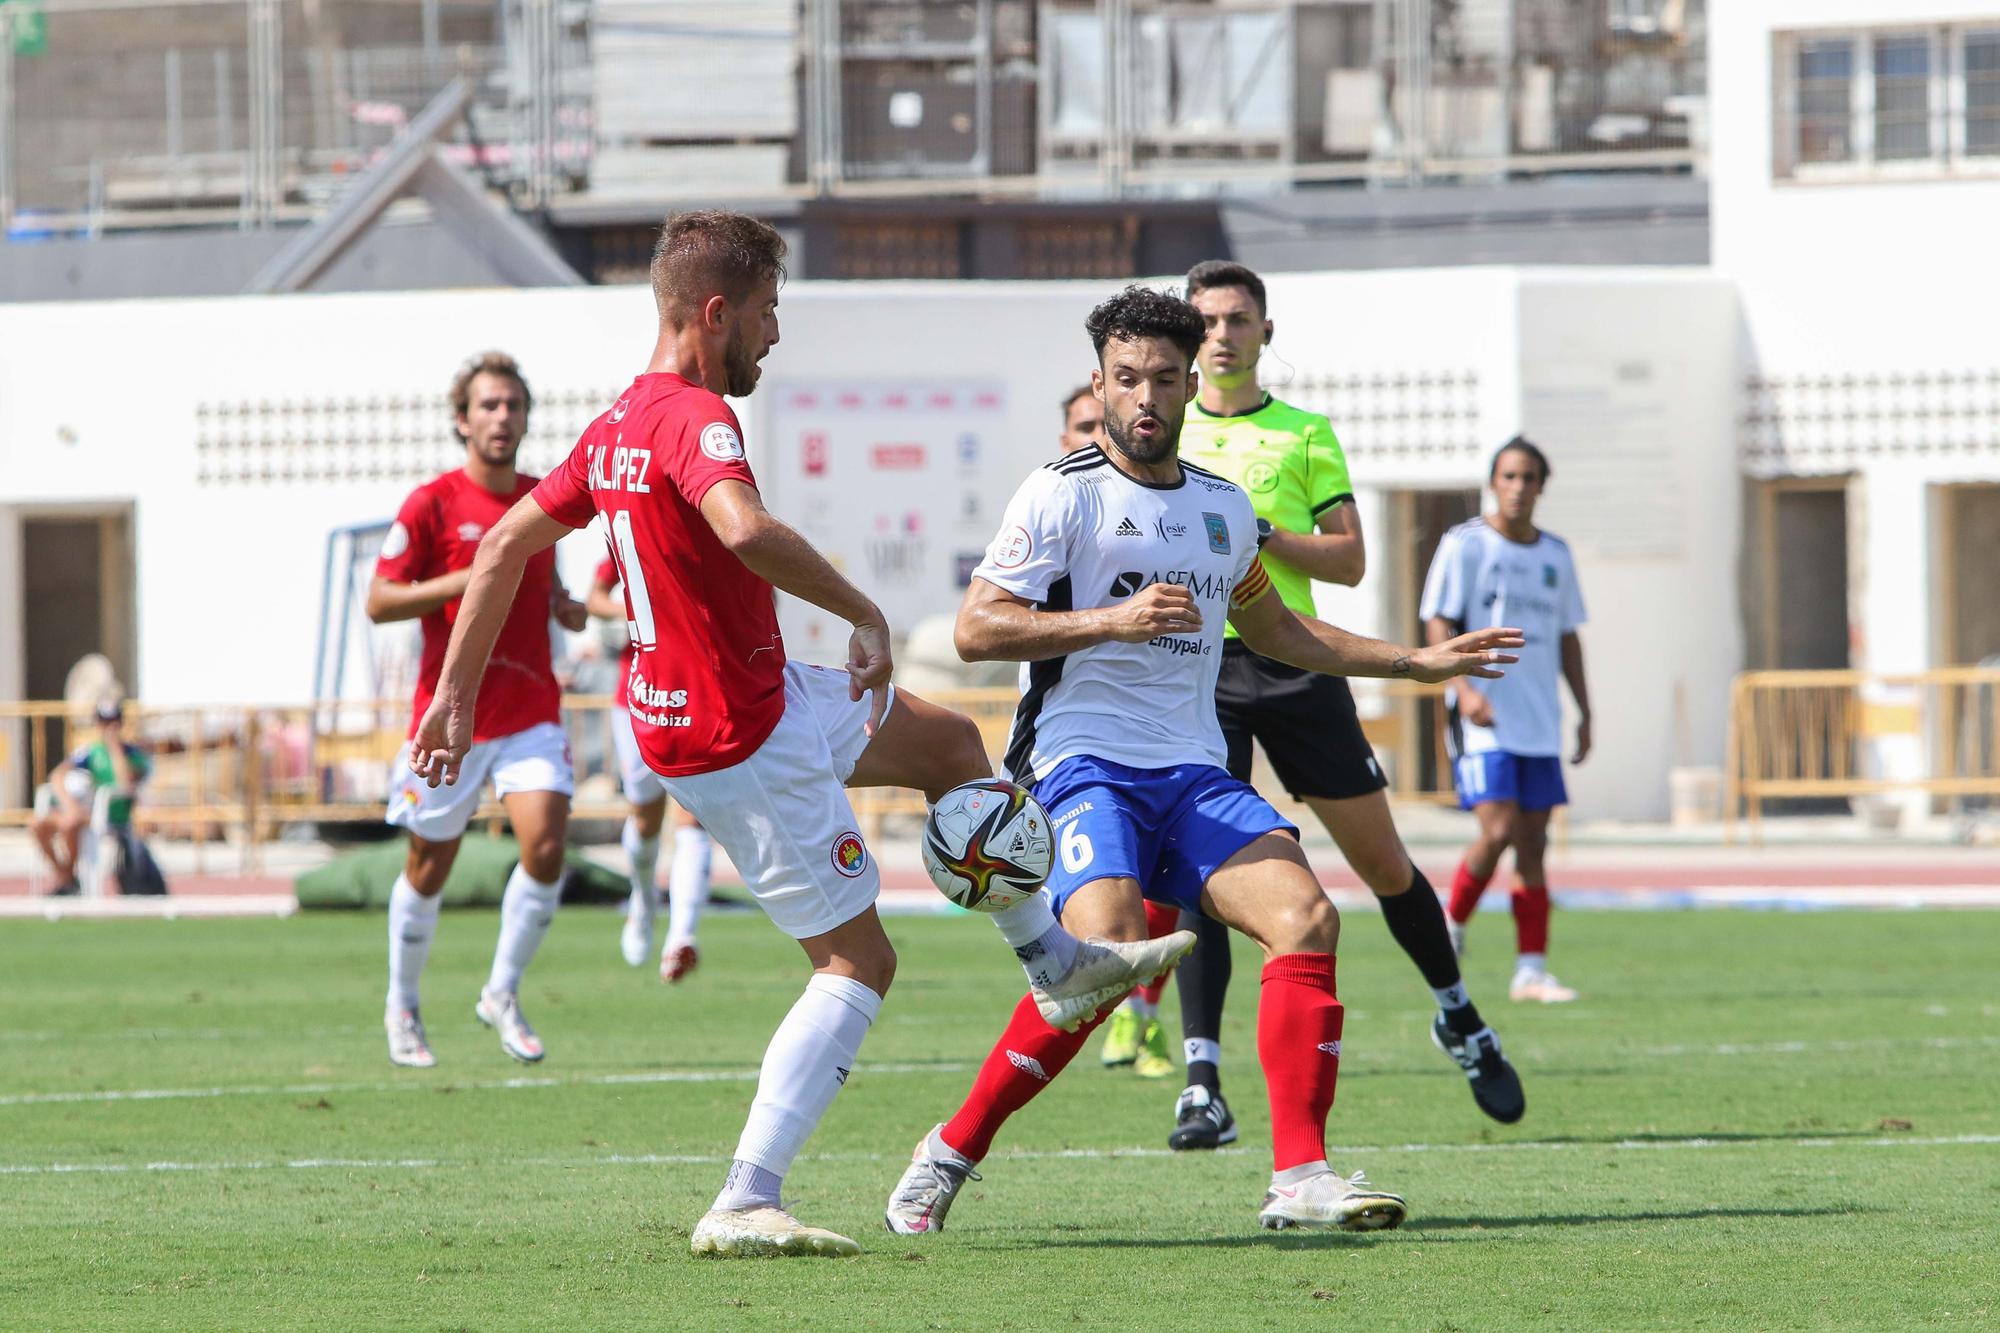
1202,982
1416,920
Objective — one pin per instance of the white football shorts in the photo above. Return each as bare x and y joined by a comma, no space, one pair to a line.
783,815
642,785
536,759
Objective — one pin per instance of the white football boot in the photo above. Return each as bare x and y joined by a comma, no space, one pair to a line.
763,1233
1105,970
501,1011
1538,985
678,960
918,1205
636,940
1330,1200
407,1046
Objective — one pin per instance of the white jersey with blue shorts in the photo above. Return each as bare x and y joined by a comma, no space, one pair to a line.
1119,741
1481,579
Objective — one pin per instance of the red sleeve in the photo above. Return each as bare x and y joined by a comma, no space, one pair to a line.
406,551
709,449
607,575
564,494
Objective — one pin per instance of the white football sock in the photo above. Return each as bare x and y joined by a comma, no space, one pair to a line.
525,912
1046,950
643,854
749,1185
1300,1174
808,1059
1536,963
413,921
1146,1009
687,884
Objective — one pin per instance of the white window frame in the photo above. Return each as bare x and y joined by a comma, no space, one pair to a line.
1936,128
1946,109
1987,163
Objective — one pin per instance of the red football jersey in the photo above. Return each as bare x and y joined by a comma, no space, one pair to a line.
608,576
707,679
436,532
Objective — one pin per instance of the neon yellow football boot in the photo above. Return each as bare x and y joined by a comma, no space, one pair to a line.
1121,1038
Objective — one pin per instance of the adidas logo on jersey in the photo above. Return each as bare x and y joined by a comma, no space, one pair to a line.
1127,528
1028,1064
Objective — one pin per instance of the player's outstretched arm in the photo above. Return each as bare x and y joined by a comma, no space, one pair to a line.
445,733
995,625
1273,629
1473,705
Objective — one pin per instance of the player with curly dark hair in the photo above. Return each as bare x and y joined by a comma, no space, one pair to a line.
1112,576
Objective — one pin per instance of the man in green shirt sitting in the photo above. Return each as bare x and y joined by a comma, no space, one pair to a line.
1291,464
110,763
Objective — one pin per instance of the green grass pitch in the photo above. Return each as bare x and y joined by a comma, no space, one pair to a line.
1749,1122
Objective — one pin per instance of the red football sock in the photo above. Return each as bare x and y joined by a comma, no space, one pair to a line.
1027,1057
1465,890
1298,1043
1160,920
1531,918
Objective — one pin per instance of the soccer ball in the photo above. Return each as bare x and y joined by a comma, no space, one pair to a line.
986,845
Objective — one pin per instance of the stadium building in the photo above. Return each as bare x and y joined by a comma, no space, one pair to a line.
1749,470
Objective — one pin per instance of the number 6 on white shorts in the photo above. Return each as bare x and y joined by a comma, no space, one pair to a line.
1076,848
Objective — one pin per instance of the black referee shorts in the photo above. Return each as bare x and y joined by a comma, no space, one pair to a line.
1305,721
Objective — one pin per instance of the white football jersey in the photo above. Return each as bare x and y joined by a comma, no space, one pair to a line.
1079,535
1481,579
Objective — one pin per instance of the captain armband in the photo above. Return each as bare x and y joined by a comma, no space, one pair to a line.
1253,585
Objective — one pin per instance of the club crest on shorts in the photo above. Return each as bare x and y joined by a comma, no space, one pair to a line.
850,857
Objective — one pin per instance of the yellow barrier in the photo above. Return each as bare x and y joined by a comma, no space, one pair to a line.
243,774
1811,734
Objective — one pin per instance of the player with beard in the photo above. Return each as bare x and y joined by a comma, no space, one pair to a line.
1113,574
1291,464
756,748
517,740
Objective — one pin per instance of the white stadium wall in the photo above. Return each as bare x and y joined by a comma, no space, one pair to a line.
928,403
1626,383
1867,300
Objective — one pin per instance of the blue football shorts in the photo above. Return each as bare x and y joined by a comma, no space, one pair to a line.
1531,781
1168,828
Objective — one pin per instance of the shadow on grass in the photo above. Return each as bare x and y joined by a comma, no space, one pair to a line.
1692,1136
1425,1224
1422,1227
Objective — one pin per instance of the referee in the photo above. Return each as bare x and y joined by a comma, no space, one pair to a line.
1292,467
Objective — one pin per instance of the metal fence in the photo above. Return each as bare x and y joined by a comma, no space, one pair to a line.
1802,734
143,112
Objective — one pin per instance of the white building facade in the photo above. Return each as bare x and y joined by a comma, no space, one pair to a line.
1791,459
1855,196
232,436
